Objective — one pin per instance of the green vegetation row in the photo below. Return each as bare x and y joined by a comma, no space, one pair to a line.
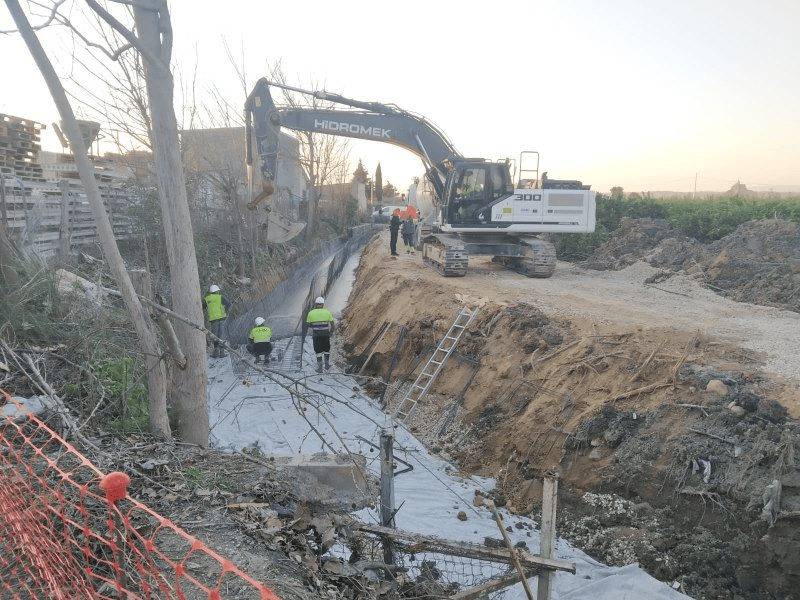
704,220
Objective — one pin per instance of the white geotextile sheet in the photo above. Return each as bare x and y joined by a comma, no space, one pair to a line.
261,412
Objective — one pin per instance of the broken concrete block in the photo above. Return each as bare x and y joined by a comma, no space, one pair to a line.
715,386
35,405
595,454
68,283
318,474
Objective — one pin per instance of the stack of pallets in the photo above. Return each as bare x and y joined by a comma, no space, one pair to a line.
19,148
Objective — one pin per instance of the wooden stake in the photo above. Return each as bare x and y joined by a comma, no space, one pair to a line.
387,490
547,535
513,551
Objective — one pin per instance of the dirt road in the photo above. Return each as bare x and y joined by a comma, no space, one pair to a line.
616,299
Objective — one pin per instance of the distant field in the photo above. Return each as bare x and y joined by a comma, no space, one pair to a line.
705,220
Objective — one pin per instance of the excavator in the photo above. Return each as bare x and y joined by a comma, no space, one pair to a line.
481,210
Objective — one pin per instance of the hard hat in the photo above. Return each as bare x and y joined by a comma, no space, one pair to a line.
213,288
319,300
259,321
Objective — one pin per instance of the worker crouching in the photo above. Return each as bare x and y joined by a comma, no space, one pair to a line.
260,341
320,321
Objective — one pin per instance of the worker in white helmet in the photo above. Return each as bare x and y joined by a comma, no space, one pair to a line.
216,308
260,341
320,321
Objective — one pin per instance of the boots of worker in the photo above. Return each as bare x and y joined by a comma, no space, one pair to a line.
258,359
327,362
319,364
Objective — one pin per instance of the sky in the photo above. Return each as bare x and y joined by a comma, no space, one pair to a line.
646,95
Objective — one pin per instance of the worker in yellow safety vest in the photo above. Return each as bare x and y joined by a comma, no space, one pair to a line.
260,341
216,308
320,321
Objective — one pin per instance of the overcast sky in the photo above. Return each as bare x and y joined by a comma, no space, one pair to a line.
631,93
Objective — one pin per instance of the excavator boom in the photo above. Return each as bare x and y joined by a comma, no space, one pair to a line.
374,121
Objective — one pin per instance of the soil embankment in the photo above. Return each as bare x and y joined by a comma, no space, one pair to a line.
667,409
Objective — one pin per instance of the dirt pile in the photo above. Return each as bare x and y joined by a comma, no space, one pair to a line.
759,262
638,239
681,430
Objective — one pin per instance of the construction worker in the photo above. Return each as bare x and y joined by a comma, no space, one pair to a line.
394,227
260,341
216,307
409,233
320,320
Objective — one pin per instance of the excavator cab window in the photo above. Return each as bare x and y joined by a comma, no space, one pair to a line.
467,192
502,185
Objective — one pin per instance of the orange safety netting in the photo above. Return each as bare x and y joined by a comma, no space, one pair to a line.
69,532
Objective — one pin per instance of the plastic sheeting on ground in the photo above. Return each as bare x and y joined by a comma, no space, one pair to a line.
261,413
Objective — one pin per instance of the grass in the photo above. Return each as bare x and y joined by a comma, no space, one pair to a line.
704,220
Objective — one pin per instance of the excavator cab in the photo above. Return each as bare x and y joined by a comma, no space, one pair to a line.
471,188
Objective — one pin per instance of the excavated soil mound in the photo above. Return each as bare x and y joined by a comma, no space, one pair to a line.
636,239
758,263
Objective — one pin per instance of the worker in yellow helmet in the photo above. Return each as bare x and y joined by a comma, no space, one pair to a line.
260,341
320,321
216,307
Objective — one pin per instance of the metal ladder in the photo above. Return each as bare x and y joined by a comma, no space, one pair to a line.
435,364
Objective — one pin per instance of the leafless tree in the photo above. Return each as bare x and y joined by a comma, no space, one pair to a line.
145,26
148,341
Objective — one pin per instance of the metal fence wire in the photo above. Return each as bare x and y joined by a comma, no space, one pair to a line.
68,531
423,574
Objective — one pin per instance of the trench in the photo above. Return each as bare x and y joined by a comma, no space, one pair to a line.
249,410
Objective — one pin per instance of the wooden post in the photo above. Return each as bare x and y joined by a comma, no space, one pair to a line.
514,558
387,489
64,242
547,535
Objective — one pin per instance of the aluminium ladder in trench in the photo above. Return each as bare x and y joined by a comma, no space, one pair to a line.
435,364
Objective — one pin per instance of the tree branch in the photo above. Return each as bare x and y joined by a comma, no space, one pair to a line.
129,36
51,17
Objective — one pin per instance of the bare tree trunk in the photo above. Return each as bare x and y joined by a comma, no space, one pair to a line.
148,343
189,395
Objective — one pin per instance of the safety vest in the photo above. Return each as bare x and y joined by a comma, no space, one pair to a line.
261,333
215,307
320,320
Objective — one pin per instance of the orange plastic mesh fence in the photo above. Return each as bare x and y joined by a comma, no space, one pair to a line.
67,531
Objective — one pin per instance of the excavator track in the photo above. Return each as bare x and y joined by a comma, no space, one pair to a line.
539,259
445,255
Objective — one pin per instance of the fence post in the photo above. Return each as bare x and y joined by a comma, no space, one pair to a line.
547,536
387,489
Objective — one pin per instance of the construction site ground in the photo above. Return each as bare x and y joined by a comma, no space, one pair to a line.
626,382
